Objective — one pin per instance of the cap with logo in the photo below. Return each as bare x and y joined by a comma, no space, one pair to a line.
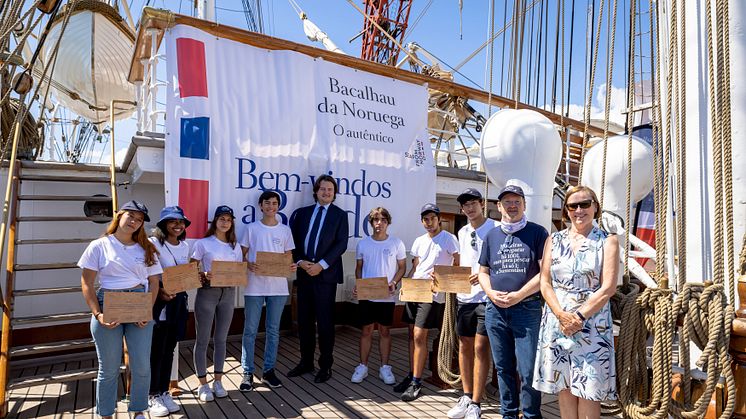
223,209
514,189
429,208
468,194
136,206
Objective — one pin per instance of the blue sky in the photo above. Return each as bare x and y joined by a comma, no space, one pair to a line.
452,35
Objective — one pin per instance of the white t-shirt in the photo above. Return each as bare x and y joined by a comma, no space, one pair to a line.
171,255
469,256
119,266
211,248
380,259
263,238
436,251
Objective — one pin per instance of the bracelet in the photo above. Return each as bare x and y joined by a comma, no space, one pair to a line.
580,315
95,315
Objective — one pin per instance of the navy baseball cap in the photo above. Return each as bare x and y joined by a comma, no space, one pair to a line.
515,189
136,206
223,209
173,213
429,208
468,194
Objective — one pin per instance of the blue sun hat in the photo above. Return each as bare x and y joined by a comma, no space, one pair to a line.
172,213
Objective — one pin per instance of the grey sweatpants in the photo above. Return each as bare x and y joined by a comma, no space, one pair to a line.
212,303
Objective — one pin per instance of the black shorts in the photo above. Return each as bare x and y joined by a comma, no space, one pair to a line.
470,319
370,312
424,315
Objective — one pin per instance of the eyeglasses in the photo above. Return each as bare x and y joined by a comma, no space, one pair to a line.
474,239
582,204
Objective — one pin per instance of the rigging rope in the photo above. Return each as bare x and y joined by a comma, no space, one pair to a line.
607,107
448,371
705,310
587,111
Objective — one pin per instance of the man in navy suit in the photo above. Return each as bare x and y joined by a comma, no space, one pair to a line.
320,232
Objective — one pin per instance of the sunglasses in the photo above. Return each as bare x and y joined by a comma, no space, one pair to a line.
582,204
474,239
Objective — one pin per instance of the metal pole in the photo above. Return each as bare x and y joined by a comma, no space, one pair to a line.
7,303
112,168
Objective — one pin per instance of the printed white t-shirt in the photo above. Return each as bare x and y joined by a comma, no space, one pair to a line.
380,259
259,237
211,248
469,256
438,250
170,255
119,266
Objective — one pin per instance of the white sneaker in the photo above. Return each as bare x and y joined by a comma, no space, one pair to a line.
462,406
169,402
385,374
156,407
473,412
361,371
217,388
204,393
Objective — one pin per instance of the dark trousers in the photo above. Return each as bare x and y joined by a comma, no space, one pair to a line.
316,311
162,356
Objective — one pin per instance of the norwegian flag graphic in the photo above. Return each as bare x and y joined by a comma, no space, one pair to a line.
194,133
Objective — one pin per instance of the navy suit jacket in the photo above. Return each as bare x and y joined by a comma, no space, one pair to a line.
330,247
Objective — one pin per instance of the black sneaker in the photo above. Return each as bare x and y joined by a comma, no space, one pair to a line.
247,384
412,392
399,388
270,378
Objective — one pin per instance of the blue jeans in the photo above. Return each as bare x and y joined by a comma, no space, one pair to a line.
514,335
109,351
252,314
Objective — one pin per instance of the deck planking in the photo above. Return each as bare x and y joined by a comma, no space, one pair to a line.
299,397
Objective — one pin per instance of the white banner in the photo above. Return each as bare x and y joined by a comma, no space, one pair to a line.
242,119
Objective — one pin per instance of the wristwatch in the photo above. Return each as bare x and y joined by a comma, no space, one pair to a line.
580,315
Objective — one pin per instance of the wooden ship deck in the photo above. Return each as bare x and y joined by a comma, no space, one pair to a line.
300,397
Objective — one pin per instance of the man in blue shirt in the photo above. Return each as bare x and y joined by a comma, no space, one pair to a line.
509,274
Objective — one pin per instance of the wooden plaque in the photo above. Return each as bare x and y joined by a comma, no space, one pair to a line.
229,274
274,264
181,278
128,307
452,279
372,288
416,291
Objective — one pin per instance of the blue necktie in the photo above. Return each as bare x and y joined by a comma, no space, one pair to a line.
311,251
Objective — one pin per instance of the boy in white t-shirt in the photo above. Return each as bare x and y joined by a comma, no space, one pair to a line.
435,247
378,255
474,345
265,235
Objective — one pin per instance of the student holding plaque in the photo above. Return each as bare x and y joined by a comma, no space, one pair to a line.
378,255
214,303
474,344
170,311
265,235
123,260
435,247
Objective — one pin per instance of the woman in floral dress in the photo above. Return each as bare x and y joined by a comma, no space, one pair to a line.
575,356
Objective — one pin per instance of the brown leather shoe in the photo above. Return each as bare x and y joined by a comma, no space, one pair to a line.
173,388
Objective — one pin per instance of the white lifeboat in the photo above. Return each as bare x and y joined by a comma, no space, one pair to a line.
93,61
